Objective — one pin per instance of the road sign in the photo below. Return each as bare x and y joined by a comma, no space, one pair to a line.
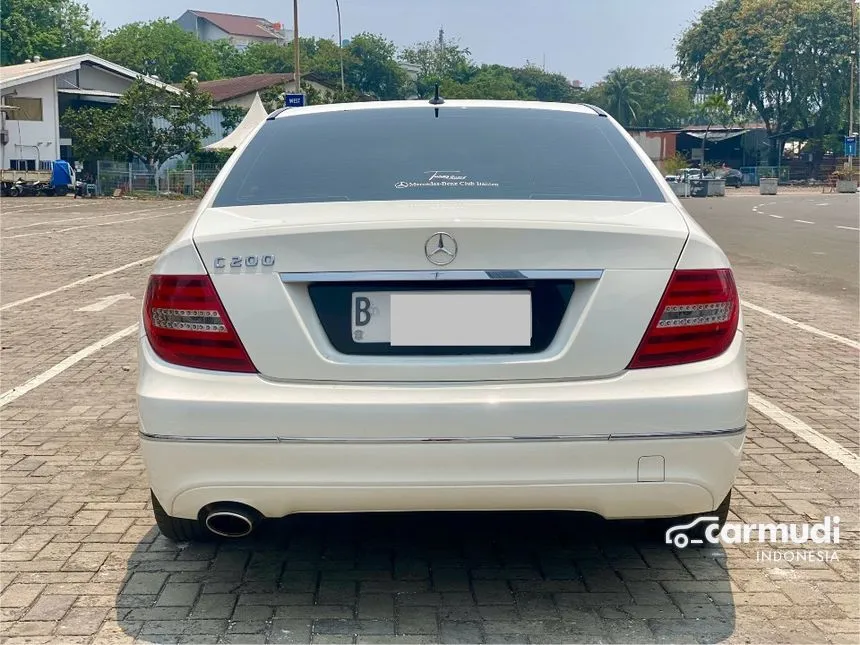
850,146
294,100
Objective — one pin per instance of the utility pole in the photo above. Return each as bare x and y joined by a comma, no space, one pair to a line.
296,48
340,44
854,54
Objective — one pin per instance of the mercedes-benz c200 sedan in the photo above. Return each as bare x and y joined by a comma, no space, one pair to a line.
463,305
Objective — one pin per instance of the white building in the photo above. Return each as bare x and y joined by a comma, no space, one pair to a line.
34,95
240,31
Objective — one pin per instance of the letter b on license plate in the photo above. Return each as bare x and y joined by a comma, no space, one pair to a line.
442,319
371,317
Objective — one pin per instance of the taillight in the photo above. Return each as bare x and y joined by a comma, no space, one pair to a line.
696,320
186,325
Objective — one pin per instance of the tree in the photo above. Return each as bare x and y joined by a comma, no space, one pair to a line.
714,110
149,123
545,86
494,82
162,48
90,129
440,60
375,70
786,59
231,116
268,58
229,61
46,28
619,94
649,97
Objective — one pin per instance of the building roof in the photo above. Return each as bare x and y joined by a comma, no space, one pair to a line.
236,25
12,75
231,88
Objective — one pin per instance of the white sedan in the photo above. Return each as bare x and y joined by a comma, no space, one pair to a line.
464,305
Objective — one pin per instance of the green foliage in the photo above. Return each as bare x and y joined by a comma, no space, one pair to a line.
619,94
231,116
162,48
268,58
91,129
451,65
488,82
148,123
673,165
229,61
649,97
714,110
545,86
788,60
375,70
215,157
440,62
46,28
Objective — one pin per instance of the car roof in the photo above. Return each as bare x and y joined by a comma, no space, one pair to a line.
449,104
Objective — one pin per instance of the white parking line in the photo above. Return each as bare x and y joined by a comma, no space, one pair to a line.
71,285
17,392
798,428
776,216
74,228
849,228
78,219
803,221
19,207
800,325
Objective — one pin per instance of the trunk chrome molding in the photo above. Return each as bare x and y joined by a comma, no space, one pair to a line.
394,440
434,276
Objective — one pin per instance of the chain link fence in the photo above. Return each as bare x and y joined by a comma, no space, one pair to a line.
119,178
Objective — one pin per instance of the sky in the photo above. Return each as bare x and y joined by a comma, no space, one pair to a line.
582,39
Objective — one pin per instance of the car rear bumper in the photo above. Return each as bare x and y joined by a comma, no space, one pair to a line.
647,443
623,479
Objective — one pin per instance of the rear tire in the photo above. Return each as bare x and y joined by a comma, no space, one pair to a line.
178,529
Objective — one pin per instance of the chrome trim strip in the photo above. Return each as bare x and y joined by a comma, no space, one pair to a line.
433,276
515,439
677,435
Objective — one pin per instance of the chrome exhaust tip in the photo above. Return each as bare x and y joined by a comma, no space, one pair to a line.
231,520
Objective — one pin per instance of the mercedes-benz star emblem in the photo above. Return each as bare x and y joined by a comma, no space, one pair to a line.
441,249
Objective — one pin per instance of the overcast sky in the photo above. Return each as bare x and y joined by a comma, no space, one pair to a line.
582,39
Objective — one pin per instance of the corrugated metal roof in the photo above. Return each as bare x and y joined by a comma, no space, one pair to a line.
67,90
12,75
231,88
237,25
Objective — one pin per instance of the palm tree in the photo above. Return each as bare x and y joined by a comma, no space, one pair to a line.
622,92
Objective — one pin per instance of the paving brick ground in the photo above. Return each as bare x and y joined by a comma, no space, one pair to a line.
83,563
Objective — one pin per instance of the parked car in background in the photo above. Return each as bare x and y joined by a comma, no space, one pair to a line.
688,174
732,177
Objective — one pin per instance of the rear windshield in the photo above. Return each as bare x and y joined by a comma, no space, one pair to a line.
409,154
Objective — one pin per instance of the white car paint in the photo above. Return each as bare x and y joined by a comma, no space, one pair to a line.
567,428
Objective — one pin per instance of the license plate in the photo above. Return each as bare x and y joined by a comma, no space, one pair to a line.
443,319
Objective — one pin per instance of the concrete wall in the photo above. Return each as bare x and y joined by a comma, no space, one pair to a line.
657,145
24,135
201,28
93,78
188,21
